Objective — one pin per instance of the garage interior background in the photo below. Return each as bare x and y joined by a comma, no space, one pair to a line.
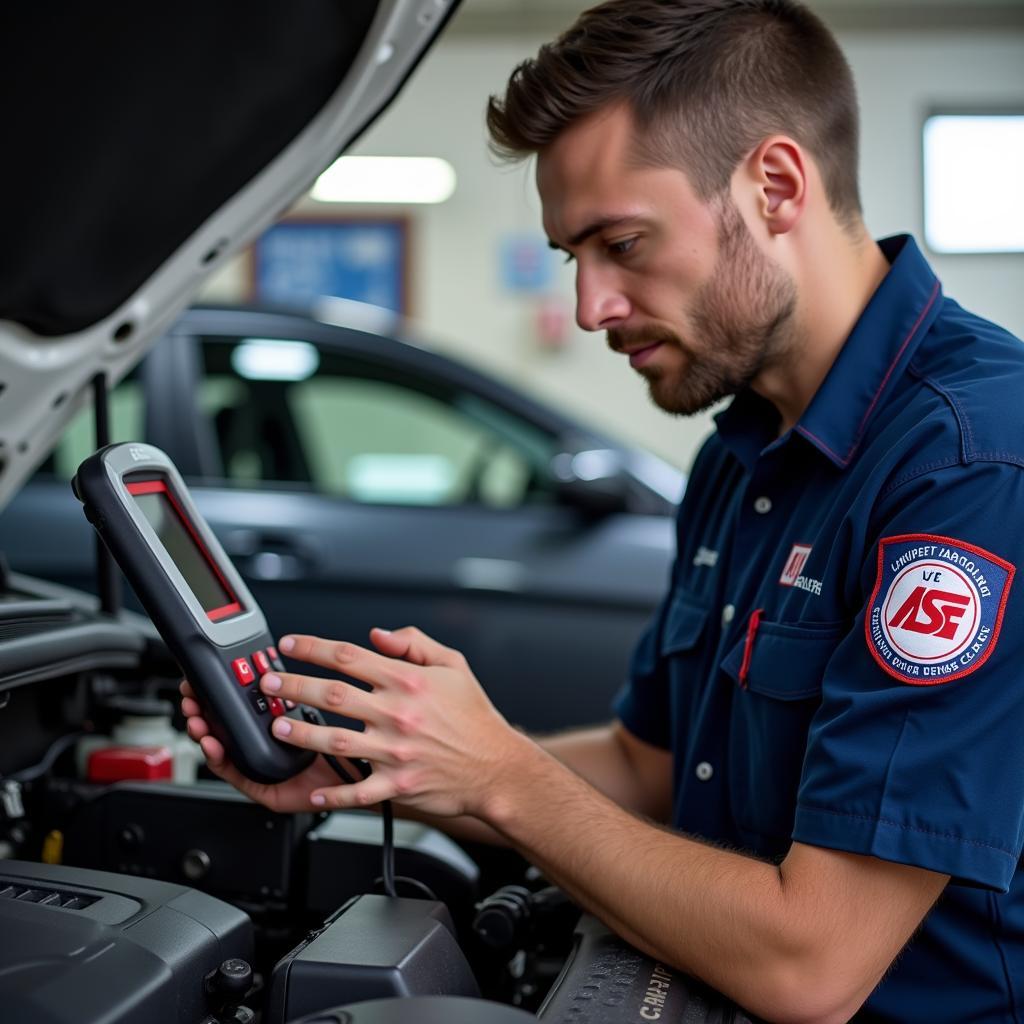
909,57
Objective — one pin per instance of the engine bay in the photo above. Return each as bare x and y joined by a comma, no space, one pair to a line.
133,888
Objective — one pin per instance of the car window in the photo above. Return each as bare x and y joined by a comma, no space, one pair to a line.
79,439
365,432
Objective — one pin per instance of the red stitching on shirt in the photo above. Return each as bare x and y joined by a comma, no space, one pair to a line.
748,646
817,440
844,459
892,366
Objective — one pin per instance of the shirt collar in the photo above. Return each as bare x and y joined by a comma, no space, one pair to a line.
877,351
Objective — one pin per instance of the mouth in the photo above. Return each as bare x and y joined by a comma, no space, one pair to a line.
639,356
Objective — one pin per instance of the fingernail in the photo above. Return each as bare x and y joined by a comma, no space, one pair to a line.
287,643
318,799
282,727
381,629
271,683
290,705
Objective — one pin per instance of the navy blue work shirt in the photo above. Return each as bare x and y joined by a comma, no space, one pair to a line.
840,658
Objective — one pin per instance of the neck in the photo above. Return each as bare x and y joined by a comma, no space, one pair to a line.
836,277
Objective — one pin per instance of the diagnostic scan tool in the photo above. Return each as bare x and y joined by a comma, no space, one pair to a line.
135,498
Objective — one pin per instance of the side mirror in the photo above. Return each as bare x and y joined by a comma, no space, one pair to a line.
595,481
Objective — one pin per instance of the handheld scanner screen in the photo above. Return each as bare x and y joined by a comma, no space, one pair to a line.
185,549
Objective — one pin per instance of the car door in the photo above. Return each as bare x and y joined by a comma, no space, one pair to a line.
354,489
43,531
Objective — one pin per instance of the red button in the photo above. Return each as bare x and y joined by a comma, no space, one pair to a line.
275,659
261,661
243,671
276,707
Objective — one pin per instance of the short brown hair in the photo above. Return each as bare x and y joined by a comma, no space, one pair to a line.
706,81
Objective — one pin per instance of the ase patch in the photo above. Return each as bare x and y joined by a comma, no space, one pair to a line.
937,607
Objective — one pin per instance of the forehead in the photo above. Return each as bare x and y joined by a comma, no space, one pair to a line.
591,172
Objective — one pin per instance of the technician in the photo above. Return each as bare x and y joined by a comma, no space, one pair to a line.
828,708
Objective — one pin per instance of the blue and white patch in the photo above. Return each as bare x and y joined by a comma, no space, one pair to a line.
937,607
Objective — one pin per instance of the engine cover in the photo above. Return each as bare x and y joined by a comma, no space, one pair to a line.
79,945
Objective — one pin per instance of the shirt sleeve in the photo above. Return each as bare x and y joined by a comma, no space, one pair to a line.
915,754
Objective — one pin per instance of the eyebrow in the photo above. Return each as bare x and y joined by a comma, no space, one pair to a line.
591,229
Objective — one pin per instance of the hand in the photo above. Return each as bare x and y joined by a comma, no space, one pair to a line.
291,795
435,741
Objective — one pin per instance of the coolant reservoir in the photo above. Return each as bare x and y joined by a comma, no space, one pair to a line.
143,722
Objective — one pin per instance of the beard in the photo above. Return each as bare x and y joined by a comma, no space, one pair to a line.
742,323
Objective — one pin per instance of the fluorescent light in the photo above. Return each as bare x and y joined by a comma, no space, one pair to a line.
386,179
273,359
972,183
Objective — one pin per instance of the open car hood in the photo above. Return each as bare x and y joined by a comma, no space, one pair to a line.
145,144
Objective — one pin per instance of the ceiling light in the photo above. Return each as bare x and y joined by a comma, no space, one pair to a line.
386,179
273,359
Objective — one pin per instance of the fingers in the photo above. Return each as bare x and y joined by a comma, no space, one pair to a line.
414,645
326,739
218,763
408,644
374,790
190,708
327,694
348,659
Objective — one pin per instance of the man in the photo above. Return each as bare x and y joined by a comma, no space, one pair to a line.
827,707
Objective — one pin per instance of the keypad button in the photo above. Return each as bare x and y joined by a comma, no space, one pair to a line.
260,702
243,671
261,661
275,659
277,707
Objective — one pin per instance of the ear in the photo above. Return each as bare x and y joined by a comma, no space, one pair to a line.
778,170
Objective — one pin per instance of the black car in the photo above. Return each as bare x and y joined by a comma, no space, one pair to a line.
357,479
144,145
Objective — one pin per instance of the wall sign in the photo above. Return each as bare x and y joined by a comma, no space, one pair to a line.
298,261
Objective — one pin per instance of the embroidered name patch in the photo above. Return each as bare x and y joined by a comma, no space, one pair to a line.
937,607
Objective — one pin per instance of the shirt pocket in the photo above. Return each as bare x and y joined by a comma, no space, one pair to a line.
771,714
685,656
684,624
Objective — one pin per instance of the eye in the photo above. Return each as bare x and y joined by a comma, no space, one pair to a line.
621,248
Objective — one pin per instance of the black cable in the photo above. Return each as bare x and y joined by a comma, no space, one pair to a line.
417,884
387,813
49,758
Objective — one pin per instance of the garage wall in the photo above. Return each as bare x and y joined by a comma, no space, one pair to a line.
457,295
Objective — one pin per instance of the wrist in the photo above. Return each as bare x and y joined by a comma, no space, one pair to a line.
518,777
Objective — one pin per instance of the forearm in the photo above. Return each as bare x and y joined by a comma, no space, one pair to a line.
610,760
712,913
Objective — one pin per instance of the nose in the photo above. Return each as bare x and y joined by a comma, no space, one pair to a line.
600,303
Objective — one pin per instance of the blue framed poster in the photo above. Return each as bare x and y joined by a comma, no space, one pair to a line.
298,261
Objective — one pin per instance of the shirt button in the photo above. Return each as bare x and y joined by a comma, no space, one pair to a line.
762,505
704,771
728,614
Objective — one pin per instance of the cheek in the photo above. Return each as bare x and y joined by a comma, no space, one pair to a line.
667,295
